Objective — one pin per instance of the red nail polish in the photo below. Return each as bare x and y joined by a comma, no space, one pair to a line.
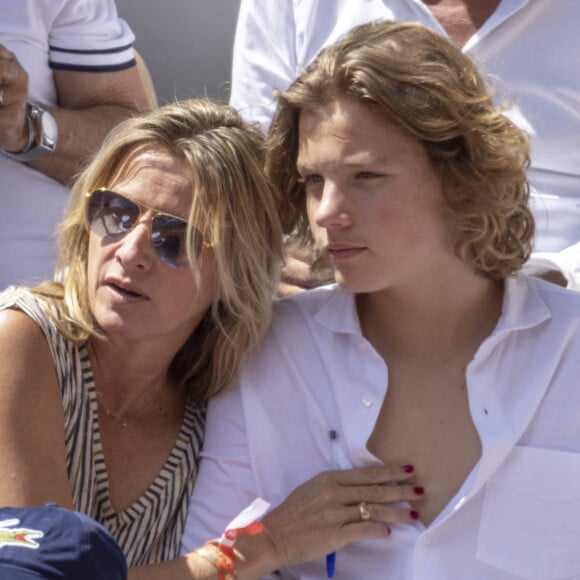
408,468
414,514
418,490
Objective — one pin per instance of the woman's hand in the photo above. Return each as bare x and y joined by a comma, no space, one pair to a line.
328,512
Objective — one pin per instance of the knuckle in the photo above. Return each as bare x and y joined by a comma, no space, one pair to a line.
377,493
327,478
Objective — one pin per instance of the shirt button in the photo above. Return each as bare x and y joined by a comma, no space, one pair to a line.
427,540
368,402
362,344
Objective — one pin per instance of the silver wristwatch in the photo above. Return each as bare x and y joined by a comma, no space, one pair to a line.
42,134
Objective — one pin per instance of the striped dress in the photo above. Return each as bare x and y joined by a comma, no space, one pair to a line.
150,530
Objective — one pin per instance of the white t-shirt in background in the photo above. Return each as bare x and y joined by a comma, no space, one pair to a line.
78,35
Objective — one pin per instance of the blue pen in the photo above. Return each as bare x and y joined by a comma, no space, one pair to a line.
330,562
331,558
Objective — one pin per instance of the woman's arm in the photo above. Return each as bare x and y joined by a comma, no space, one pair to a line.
32,448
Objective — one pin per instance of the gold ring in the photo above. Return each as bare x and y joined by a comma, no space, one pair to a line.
365,514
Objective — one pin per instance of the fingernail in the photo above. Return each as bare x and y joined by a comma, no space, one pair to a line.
414,514
418,490
408,468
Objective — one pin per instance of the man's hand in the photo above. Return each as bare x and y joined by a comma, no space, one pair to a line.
297,273
13,93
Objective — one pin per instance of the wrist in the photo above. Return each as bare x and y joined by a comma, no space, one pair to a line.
244,550
255,556
42,135
25,139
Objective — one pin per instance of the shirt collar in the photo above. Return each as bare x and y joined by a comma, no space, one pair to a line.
338,313
522,308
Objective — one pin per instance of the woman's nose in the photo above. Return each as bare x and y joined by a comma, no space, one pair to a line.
135,249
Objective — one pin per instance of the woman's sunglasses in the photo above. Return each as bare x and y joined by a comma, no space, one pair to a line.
111,216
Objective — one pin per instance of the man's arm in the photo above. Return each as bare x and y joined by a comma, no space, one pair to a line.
90,105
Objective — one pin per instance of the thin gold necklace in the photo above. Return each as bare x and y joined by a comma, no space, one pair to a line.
108,411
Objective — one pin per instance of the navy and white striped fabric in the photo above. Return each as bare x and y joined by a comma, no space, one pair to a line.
89,36
76,35
150,530
104,60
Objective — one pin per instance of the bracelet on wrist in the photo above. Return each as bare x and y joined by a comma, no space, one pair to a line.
220,553
222,560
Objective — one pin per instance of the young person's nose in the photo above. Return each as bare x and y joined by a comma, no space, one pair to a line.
330,210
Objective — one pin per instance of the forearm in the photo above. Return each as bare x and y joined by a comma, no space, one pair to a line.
89,105
81,133
255,557
186,568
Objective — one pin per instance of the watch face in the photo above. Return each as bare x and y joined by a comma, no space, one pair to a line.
42,126
49,131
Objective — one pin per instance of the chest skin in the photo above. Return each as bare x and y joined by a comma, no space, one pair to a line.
135,455
425,421
461,19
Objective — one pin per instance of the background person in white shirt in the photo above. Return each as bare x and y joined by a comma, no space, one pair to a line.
530,48
433,350
73,60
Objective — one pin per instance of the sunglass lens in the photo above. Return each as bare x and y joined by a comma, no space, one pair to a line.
111,215
169,236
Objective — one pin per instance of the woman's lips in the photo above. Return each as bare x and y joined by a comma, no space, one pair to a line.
124,292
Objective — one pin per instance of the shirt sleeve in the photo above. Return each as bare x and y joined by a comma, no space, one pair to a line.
264,57
89,36
225,483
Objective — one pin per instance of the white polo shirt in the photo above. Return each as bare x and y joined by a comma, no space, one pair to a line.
516,516
529,48
78,35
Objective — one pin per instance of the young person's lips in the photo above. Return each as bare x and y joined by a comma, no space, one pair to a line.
341,251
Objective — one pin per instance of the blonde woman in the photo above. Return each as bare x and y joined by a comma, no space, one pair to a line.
169,256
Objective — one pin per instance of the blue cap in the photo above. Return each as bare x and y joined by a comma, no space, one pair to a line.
51,542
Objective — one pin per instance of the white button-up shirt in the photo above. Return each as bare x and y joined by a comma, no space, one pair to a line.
308,402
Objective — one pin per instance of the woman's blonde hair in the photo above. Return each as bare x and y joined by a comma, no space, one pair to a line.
419,81
237,205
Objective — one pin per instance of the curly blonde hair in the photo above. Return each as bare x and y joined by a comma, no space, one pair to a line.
231,195
419,81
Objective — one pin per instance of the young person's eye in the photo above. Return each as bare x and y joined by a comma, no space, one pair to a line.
367,175
310,179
